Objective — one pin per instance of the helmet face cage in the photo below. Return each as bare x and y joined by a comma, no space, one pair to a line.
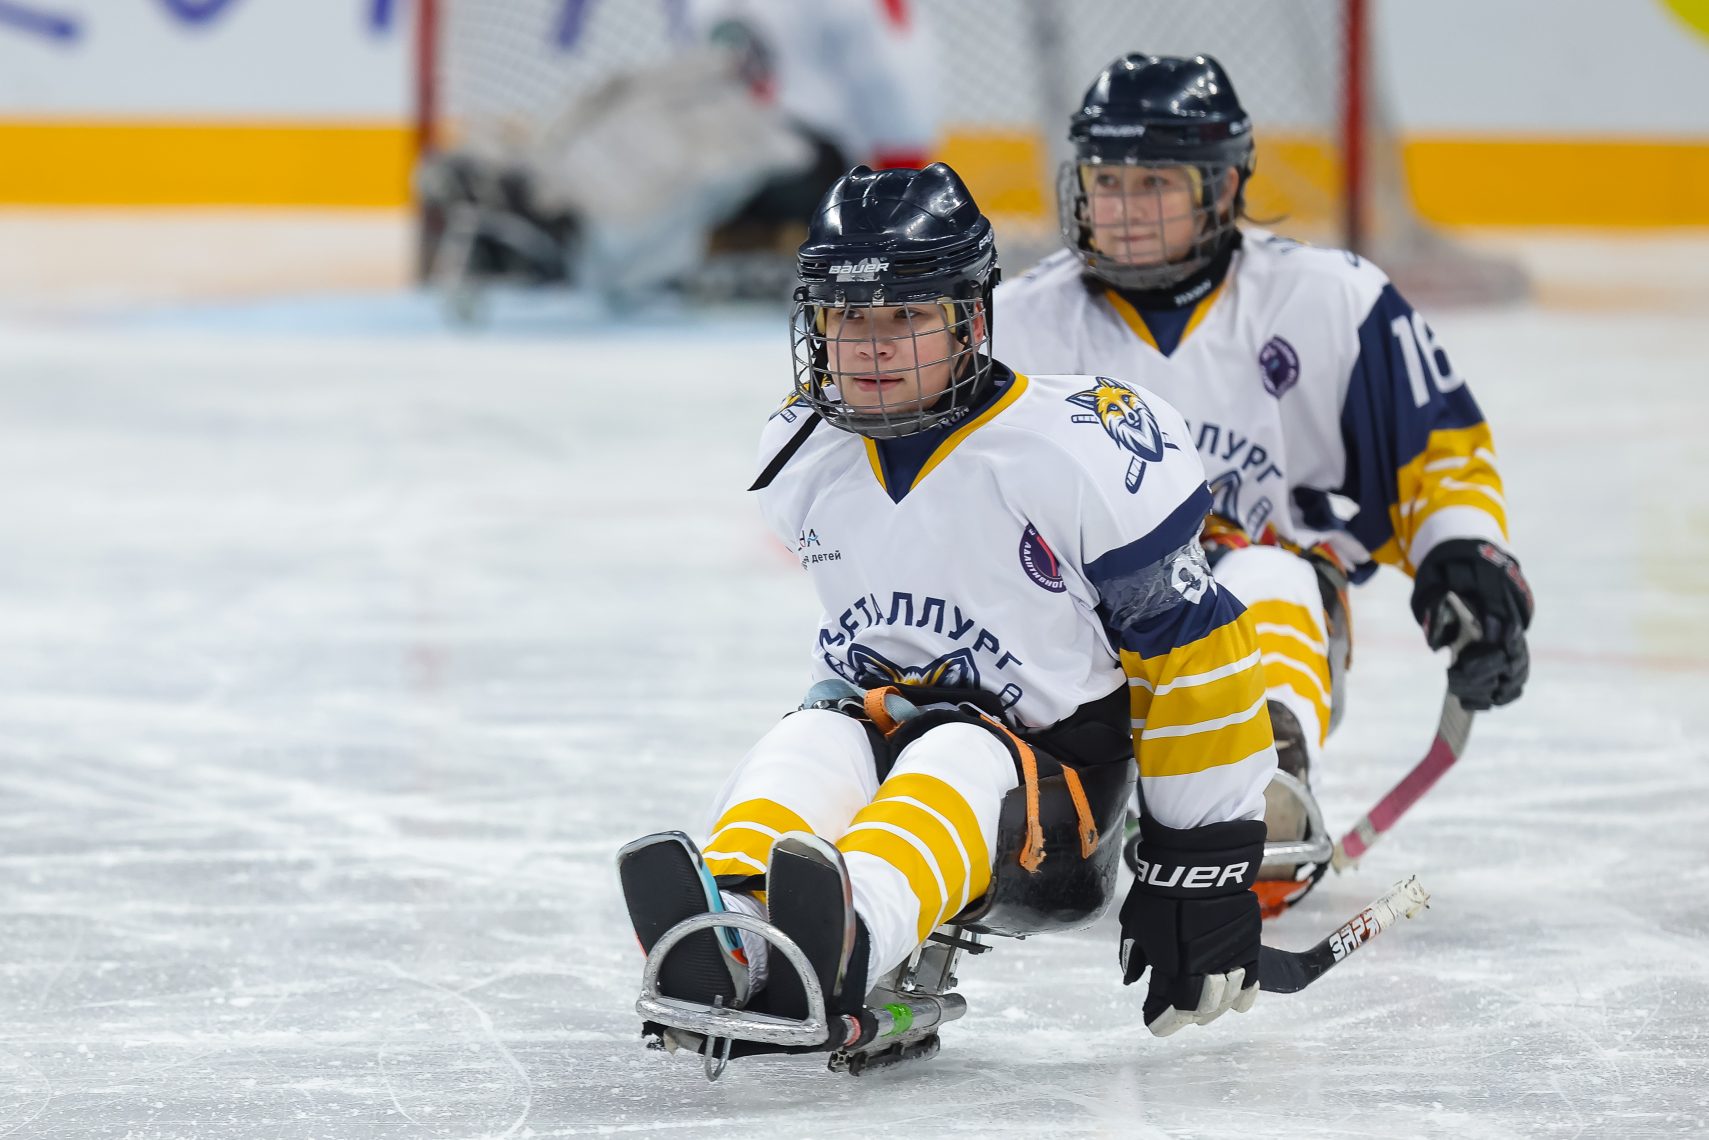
1136,206
887,368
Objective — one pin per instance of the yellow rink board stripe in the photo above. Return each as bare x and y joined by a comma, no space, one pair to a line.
1454,179
1566,181
259,163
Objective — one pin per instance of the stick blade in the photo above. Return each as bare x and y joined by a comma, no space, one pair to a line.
1282,973
1285,972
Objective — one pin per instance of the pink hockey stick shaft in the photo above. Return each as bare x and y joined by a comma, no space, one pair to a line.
1451,734
1452,731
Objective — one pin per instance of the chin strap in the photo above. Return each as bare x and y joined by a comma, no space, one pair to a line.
1188,291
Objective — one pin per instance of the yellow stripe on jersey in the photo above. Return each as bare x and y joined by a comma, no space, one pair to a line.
1231,642
742,838
1455,469
1004,402
1136,323
1201,705
1223,742
955,438
872,461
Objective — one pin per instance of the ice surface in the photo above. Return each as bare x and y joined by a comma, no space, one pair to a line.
334,671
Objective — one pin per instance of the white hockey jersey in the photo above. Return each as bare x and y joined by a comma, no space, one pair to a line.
1322,405
1044,549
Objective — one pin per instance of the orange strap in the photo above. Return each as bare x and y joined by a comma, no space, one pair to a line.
877,713
1032,853
1082,812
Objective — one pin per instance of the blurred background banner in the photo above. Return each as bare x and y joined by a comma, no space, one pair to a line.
595,142
205,102
1500,111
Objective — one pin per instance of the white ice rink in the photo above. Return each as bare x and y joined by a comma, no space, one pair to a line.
334,669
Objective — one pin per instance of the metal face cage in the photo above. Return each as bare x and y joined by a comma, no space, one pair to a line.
1144,225
885,368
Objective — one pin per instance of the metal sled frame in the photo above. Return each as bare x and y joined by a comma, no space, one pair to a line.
900,1023
719,1021
1316,847
905,1009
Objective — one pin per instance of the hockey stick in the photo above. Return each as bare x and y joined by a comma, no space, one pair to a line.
1285,972
1452,731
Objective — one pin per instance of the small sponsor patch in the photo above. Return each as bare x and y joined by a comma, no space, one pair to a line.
1039,561
1280,365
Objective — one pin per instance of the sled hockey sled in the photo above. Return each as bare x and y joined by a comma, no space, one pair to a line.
904,1012
1068,891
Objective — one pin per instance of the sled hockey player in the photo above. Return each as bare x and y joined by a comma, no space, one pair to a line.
1334,430
1016,605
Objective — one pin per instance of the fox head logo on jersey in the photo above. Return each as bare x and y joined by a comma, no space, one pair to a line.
1123,415
951,671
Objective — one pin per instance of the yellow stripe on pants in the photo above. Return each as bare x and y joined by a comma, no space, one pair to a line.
922,827
742,838
1292,641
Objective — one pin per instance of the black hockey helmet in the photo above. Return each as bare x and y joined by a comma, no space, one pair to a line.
1157,111
914,244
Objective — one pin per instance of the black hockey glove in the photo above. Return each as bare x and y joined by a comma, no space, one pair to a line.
1492,667
1192,917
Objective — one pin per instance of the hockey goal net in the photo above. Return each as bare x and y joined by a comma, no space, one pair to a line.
497,72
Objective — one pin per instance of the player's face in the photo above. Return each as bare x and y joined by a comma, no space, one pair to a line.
1142,215
891,357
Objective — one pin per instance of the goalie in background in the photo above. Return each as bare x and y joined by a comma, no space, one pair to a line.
722,149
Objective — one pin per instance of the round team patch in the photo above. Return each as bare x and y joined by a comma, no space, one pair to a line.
1039,561
1280,365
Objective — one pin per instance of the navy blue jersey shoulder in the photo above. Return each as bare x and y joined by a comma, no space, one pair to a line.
1402,388
1186,620
1156,593
1182,525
